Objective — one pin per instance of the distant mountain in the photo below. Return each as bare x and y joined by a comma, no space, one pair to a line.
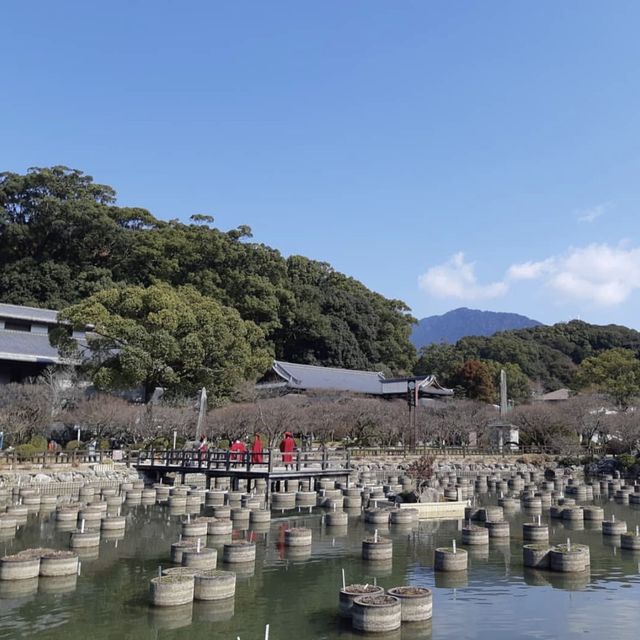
456,324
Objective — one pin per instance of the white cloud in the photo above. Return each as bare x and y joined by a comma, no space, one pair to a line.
529,270
456,278
591,214
598,273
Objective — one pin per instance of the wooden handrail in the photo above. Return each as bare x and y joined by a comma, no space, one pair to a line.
223,458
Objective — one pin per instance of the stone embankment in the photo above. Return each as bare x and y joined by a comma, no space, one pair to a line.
472,466
397,457
52,478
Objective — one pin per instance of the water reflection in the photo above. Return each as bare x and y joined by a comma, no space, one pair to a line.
58,584
12,589
216,611
377,568
535,578
108,599
162,618
569,581
451,579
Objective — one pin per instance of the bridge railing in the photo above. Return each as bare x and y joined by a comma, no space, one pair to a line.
53,458
268,460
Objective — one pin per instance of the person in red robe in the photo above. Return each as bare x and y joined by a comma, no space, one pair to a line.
287,446
256,450
238,449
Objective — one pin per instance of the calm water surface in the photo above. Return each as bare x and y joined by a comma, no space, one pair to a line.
497,598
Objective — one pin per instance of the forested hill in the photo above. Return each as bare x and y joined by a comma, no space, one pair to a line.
63,238
453,325
549,355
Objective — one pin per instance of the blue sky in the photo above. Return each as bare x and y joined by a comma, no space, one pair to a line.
449,153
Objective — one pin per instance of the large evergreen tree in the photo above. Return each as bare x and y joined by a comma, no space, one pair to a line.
63,238
176,339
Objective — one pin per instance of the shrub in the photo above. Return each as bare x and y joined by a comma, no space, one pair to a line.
39,443
103,445
408,496
569,461
74,445
161,442
625,461
25,450
616,447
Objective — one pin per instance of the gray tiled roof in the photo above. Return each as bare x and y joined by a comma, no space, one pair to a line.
560,394
30,314
27,347
305,376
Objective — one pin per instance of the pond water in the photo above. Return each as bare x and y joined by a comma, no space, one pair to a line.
497,598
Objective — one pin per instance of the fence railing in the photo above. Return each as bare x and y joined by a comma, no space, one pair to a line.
464,451
268,460
52,458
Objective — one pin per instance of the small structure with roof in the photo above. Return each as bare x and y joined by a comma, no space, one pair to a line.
305,377
559,395
25,348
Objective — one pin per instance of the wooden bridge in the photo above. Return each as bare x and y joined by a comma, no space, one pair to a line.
305,466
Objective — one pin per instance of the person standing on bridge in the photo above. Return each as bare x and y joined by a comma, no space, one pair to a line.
203,447
238,449
287,447
256,450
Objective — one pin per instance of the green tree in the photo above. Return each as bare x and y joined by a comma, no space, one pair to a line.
172,338
518,385
63,238
441,360
615,372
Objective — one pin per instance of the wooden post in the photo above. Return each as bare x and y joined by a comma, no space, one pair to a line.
228,461
298,461
270,466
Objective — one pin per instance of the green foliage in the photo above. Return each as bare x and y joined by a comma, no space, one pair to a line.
160,336
518,385
546,355
103,444
74,445
162,442
26,450
626,461
63,239
39,443
615,372
440,360
335,320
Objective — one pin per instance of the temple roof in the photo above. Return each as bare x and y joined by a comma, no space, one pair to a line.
310,377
